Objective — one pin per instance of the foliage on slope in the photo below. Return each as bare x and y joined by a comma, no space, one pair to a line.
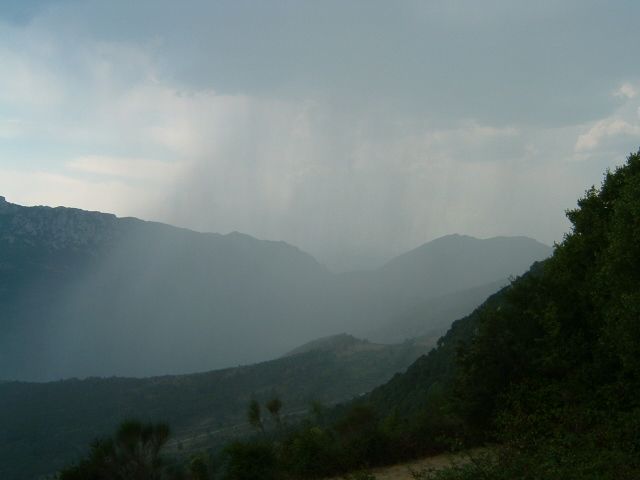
548,369
560,361
45,425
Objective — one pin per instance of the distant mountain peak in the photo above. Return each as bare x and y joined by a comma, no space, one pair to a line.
82,282
455,240
454,235
5,206
340,343
57,228
465,237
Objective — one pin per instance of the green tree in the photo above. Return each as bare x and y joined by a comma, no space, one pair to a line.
274,406
254,415
249,461
133,453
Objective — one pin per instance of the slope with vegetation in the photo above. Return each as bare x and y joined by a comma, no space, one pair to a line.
546,372
548,369
45,425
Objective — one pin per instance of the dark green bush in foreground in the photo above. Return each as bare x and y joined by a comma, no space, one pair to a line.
133,453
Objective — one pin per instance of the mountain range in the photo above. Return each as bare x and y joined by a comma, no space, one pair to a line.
89,294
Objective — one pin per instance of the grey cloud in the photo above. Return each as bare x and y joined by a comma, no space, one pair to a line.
498,62
343,127
22,12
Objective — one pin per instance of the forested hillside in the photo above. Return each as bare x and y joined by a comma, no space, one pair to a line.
548,368
45,425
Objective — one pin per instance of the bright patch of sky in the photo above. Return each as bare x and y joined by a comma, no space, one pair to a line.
353,129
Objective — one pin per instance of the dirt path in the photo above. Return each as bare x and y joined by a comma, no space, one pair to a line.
403,471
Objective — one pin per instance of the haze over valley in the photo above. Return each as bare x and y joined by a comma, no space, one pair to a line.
89,294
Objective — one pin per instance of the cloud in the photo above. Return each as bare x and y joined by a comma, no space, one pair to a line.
11,128
299,124
616,133
336,185
26,81
127,168
46,188
604,132
424,59
626,91
301,169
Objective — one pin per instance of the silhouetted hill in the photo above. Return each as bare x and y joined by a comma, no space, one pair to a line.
427,278
85,293
433,317
459,262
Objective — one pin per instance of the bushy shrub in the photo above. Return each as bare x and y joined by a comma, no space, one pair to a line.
249,461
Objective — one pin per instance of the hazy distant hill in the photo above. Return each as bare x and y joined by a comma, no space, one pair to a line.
86,293
459,262
433,317
45,425
341,343
451,275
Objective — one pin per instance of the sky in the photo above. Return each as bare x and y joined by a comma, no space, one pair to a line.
355,130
